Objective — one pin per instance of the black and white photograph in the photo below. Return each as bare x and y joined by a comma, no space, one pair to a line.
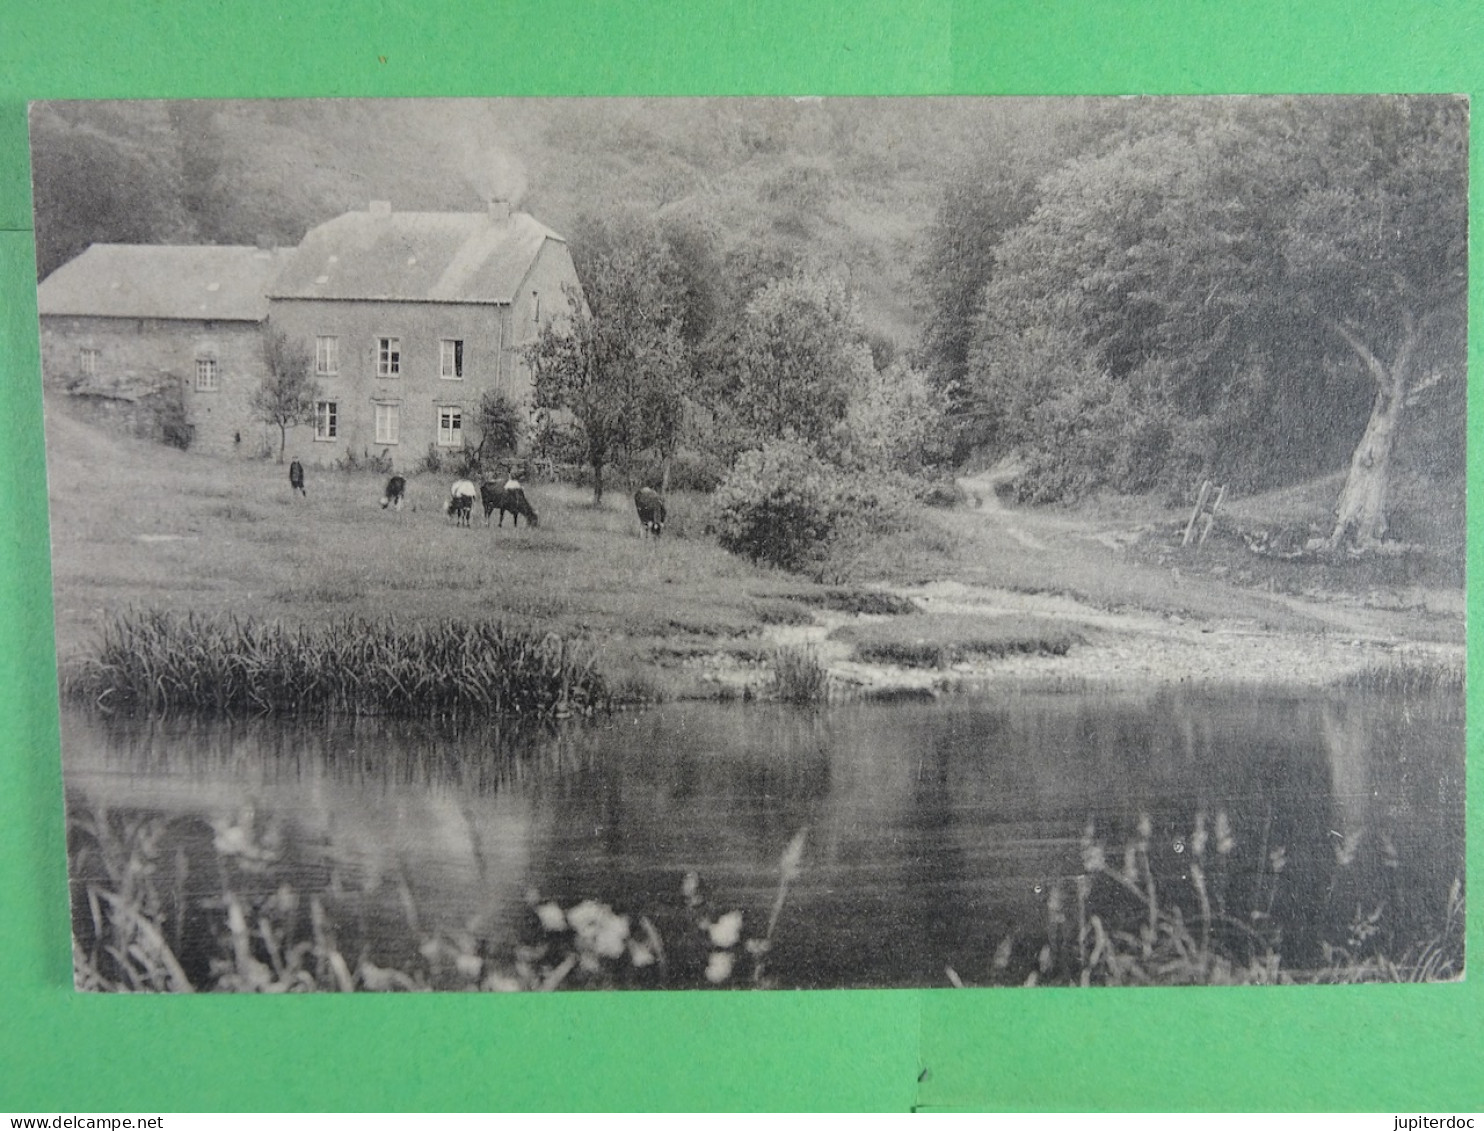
791,543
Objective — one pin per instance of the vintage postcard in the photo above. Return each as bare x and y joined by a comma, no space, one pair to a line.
794,543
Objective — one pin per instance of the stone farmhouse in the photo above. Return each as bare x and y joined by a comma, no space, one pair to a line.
413,316
410,317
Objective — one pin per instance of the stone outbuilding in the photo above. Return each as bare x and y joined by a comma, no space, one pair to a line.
125,327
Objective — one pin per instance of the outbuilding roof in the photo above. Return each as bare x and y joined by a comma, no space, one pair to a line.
162,281
466,257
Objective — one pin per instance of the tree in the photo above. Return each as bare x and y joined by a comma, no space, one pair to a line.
1253,278
1152,263
979,205
619,362
614,375
1379,247
798,359
898,421
288,392
199,148
95,185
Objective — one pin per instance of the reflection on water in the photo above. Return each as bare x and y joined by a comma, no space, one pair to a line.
937,834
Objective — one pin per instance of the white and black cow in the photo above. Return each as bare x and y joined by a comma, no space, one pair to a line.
460,505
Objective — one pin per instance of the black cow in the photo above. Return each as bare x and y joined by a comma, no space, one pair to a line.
460,505
396,487
651,508
512,498
296,478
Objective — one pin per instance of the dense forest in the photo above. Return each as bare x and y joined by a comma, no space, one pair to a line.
1123,294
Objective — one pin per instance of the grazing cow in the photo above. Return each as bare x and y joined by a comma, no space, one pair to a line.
396,487
651,508
296,478
460,505
511,497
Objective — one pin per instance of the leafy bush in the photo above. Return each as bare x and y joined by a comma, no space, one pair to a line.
381,463
172,421
778,505
500,422
690,470
783,505
559,441
898,422
1099,435
942,493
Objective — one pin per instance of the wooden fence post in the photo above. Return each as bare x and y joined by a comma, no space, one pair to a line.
1211,515
1200,505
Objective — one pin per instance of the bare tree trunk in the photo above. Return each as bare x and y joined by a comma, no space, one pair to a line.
597,483
283,440
1360,514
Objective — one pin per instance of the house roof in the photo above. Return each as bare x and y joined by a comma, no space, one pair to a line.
160,281
415,257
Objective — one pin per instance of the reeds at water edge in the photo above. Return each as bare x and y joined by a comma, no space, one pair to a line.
799,676
158,662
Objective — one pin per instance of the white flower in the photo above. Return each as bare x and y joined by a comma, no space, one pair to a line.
598,929
233,840
551,917
640,955
719,966
469,965
727,930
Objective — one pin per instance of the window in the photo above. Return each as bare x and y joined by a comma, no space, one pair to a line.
533,328
388,357
451,359
87,361
206,376
388,424
326,356
326,420
450,426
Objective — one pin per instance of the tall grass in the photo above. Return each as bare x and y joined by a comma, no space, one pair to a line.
939,641
157,662
799,677
1123,924
1408,678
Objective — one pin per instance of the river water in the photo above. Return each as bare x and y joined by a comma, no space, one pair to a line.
940,840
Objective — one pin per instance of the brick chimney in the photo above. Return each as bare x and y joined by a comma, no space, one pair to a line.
381,208
499,212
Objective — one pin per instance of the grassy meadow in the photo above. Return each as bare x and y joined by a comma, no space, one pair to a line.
138,528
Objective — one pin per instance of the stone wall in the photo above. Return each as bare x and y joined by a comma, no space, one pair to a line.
135,359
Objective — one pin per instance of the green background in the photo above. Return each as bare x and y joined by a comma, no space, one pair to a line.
1380,1048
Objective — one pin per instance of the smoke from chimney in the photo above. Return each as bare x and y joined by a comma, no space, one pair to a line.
498,176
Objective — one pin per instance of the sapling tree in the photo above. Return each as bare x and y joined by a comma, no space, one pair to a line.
288,392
